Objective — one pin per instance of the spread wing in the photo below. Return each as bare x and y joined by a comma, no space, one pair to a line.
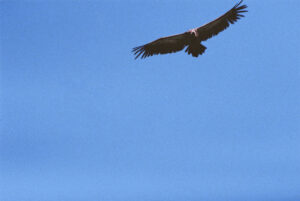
163,45
220,24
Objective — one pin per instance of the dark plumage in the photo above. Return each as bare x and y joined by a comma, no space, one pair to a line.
192,38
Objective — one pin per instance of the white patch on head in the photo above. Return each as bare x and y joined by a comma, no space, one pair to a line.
194,31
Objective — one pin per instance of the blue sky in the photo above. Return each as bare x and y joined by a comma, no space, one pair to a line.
82,120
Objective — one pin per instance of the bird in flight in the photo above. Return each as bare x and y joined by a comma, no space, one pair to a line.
192,38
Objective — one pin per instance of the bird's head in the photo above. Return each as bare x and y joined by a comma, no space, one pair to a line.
193,32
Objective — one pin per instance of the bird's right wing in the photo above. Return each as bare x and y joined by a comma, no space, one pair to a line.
220,24
163,45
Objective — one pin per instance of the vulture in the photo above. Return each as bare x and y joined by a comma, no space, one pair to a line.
191,39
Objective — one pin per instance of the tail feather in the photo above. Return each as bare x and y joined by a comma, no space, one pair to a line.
195,49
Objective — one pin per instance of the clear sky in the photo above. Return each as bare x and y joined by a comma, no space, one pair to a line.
82,120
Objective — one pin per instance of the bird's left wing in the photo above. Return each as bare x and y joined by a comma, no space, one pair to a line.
163,45
220,24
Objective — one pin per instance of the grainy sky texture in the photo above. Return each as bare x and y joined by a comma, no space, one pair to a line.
82,120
